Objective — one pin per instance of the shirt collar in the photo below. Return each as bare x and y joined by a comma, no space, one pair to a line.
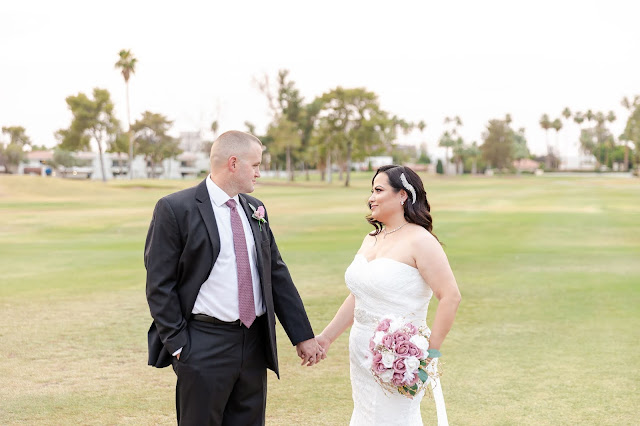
217,195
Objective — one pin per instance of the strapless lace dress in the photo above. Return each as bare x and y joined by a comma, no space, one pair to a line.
384,287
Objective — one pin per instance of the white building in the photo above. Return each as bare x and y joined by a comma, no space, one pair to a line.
186,165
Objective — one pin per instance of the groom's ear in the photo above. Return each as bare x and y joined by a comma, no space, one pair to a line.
232,163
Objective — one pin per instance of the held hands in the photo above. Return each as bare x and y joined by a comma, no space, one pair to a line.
310,352
324,343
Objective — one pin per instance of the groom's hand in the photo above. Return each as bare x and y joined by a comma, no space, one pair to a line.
310,352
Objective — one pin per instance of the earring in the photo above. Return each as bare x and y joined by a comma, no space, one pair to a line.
402,202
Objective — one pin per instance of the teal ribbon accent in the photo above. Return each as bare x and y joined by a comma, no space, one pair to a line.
433,353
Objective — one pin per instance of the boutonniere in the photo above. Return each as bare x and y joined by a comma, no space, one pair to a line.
258,214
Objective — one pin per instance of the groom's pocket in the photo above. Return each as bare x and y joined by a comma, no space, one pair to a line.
186,349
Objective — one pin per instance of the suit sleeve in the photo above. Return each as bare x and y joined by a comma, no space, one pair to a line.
287,302
163,249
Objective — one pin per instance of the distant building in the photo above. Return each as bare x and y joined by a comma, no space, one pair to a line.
526,165
87,166
375,162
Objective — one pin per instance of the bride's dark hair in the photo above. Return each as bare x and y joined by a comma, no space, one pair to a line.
418,212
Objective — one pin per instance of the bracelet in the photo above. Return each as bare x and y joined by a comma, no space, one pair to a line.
433,353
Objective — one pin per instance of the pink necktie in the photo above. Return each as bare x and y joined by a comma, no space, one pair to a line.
245,284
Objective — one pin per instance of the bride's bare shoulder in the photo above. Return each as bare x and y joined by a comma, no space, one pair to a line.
368,241
423,240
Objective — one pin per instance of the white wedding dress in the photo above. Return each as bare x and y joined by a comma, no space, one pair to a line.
383,287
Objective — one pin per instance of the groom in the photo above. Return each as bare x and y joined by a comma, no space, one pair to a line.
215,281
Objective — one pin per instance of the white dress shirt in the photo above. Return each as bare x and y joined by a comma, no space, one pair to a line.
218,296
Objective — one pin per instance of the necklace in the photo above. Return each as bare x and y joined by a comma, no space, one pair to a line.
393,230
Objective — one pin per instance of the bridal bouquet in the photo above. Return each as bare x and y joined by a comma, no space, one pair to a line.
399,352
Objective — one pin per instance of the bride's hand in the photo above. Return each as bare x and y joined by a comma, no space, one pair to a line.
324,342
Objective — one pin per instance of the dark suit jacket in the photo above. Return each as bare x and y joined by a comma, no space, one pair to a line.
181,248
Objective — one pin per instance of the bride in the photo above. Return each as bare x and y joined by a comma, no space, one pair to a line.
397,269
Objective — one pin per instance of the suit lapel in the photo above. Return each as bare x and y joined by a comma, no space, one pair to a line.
204,205
255,227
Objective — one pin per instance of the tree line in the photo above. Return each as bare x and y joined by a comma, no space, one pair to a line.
335,129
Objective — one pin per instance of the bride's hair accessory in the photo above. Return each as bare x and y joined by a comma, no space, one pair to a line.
408,187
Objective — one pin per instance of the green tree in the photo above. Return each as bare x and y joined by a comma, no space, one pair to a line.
214,129
127,66
520,148
11,155
64,158
153,141
120,145
449,137
631,131
498,146
458,150
473,153
439,168
546,124
557,126
286,137
17,135
286,103
93,119
352,120
424,154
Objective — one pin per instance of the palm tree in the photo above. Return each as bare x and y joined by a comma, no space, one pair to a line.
474,152
446,141
545,123
589,115
214,129
610,117
127,65
566,114
557,125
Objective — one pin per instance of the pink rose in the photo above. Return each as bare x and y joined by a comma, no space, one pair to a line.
400,336
379,368
398,366
387,341
372,345
377,357
259,212
412,329
414,351
397,379
384,325
402,349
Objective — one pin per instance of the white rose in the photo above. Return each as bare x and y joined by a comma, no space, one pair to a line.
422,343
377,338
386,375
396,324
408,376
412,363
387,359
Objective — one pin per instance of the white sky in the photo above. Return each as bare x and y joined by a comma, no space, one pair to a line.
425,59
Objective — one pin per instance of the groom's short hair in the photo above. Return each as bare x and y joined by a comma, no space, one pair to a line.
231,143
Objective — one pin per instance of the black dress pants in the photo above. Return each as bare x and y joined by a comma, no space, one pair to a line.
222,376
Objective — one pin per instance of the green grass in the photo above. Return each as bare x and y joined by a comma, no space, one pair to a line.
547,331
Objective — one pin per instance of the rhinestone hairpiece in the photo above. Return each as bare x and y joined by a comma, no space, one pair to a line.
408,187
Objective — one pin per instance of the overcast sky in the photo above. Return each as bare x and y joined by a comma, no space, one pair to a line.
426,60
